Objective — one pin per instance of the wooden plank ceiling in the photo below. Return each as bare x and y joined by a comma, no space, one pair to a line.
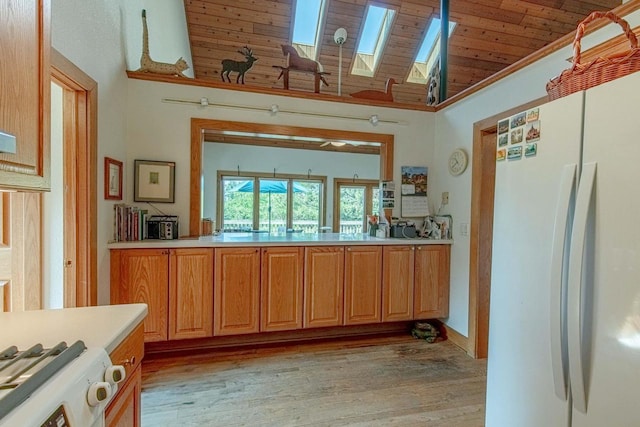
490,35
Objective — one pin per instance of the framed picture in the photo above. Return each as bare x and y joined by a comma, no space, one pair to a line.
112,179
154,181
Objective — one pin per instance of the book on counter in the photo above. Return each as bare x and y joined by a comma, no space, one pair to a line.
129,223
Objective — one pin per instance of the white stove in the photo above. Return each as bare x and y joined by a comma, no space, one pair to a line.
59,386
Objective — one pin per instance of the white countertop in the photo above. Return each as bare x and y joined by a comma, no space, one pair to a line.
102,326
279,239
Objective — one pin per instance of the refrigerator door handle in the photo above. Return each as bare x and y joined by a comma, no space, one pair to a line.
556,282
574,292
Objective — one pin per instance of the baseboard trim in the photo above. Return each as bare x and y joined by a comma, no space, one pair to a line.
275,338
458,339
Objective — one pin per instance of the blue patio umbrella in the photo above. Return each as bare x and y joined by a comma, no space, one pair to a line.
268,186
271,187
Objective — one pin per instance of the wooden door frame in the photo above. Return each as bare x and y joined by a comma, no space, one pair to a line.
356,182
481,239
81,131
200,126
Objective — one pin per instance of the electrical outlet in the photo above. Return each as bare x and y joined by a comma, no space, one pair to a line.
445,198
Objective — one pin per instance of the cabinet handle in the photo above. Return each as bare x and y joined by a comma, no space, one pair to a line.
419,248
131,361
413,248
349,249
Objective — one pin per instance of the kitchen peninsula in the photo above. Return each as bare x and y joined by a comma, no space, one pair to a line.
247,288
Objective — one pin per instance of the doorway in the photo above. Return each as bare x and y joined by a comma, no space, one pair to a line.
79,140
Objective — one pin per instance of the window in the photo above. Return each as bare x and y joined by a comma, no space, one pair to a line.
307,207
428,54
237,212
377,25
355,199
255,202
307,27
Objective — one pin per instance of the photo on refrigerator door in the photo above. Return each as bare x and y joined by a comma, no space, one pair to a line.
503,140
503,126
533,115
501,155
518,120
532,131
514,153
517,135
531,150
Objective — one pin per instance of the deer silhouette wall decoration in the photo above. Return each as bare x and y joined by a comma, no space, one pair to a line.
229,65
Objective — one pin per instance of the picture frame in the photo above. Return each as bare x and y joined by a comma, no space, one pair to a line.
112,179
154,181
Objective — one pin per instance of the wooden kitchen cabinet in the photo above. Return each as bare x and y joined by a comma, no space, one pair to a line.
323,286
431,291
25,105
397,283
281,288
124,408
190,293
151,275
237,291
363,280
141,275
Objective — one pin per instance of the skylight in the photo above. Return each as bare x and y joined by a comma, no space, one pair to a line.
377,25
429,53
307,26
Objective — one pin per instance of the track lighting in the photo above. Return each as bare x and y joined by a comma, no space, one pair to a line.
274,109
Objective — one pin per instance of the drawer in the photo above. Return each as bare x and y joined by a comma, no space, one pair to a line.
130,351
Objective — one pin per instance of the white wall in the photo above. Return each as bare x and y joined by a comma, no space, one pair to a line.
161,131
454,128
53,210
168,37
331,164
89,34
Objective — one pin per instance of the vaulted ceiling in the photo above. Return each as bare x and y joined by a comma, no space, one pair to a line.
489,36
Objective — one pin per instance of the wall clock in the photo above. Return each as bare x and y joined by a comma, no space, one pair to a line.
457,162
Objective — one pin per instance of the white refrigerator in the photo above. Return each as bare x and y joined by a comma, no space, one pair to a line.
564,328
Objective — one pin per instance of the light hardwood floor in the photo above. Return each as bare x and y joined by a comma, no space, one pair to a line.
394,381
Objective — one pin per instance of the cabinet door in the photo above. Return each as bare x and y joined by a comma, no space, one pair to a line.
124,410
142,275
281,288
237,291
25,87
323,286
431,282
397,283
191,293
363,282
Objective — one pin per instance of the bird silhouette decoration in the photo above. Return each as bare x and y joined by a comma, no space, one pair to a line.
378,95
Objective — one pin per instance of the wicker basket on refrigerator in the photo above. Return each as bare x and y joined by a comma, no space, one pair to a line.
600,70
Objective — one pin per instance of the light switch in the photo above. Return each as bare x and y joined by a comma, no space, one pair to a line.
464,229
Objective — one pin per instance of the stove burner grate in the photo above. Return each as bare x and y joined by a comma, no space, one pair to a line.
23,372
